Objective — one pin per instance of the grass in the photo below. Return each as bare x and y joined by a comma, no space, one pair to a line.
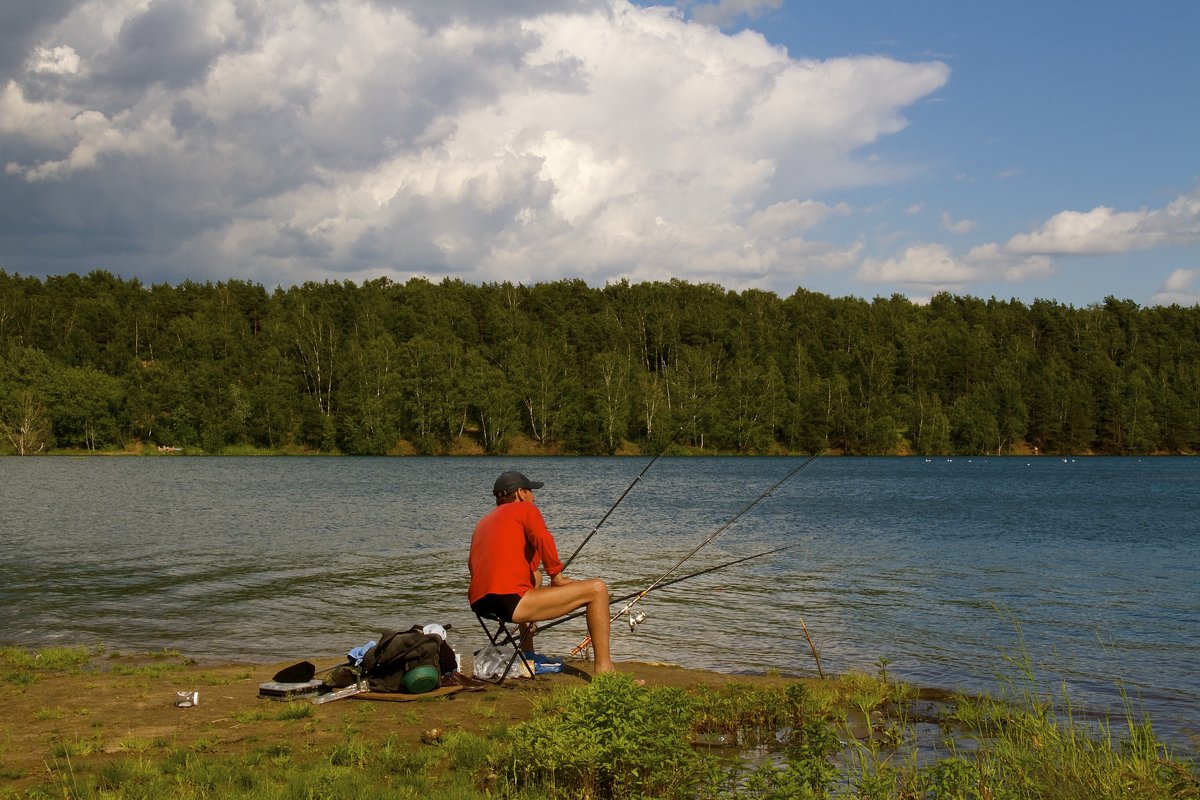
20,667
136,744
650,757
613,739
50,658
283,712
210,679
148,670
76,747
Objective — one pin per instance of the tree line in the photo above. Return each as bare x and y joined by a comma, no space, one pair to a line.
101,363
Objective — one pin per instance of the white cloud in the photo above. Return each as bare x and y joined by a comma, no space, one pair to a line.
932,267
47,124
961,226
598,139
924,264
91,134
61,60
782,219
1182,287
999,264
1103,230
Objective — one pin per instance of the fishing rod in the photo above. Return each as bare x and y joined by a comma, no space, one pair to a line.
637,598
542,626
613,507
633,483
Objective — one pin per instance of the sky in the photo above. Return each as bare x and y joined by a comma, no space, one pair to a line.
1027,150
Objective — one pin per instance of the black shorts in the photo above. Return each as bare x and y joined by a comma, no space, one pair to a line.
498,605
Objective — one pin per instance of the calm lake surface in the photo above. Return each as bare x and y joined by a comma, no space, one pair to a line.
942,567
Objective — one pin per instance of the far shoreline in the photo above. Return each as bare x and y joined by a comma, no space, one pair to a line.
631,452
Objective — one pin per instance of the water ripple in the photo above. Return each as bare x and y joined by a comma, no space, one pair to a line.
930,565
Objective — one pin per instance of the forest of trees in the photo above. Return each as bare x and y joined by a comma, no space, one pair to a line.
100,363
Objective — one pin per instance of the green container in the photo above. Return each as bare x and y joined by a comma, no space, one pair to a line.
419,680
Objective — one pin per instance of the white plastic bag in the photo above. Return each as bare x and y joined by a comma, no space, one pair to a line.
491,661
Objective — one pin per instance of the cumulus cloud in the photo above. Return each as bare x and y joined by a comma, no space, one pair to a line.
930,267
1104,230
287,141
61,60
21,23
782,219
1001,264
925,267
920,264
1182,287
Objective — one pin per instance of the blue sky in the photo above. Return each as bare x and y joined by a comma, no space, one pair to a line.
1027,150
1050,107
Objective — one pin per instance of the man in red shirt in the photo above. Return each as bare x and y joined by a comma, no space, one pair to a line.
509,545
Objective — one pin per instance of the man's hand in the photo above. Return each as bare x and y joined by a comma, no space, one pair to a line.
559,580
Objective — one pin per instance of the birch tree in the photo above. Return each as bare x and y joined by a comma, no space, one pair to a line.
25,424
611,394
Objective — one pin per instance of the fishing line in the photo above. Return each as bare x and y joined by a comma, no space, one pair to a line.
633,483
629,606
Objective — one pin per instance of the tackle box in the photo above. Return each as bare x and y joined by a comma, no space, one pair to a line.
274,690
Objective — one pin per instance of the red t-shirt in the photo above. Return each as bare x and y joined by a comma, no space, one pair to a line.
508,545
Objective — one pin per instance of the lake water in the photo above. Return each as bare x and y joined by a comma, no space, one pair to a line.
932,565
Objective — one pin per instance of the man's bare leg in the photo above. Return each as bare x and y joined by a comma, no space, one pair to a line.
528,629
549,602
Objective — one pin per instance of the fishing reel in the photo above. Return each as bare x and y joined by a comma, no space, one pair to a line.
636,618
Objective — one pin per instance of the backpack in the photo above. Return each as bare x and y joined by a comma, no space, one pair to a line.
397,652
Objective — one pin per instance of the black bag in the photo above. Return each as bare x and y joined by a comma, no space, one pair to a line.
397,652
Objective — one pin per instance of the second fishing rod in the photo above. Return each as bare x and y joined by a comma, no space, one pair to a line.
545,626
627,609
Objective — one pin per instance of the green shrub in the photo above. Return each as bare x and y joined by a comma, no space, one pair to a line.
610,739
